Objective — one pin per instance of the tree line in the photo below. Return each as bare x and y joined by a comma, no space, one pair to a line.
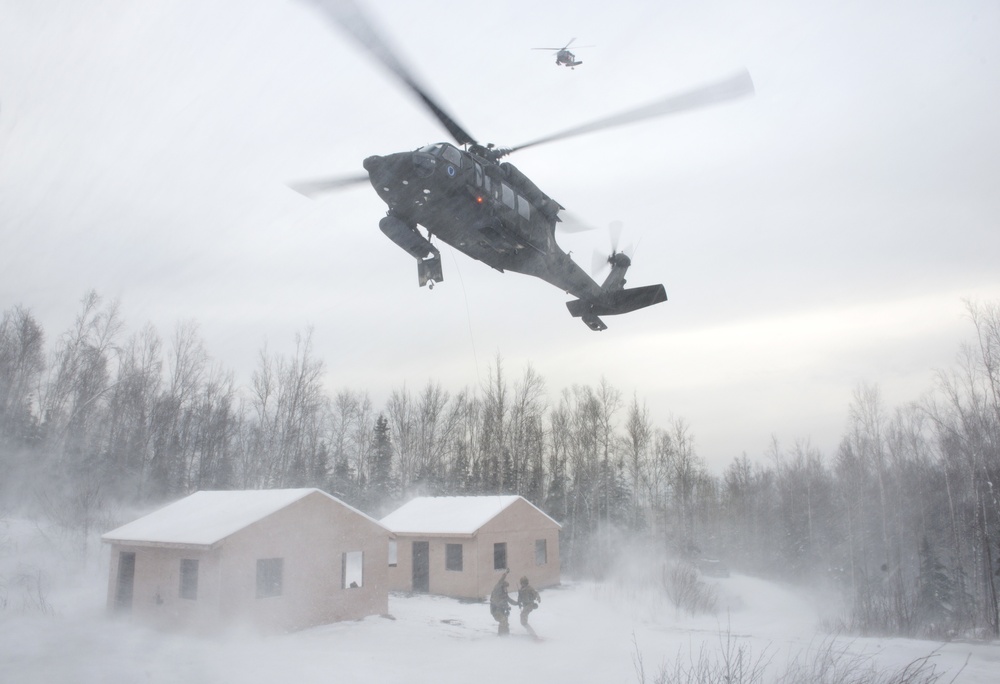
902,521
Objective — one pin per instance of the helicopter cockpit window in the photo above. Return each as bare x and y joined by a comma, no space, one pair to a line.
479,175
452,155
424,162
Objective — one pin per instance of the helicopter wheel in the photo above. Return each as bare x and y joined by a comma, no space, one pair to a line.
430,284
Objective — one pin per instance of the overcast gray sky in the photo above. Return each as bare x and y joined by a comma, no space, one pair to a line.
818,235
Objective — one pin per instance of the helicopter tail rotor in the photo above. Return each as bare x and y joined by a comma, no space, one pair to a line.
615,298
616,258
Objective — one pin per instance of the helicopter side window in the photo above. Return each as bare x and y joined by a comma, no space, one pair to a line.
523,208
452,155
508,195
479,175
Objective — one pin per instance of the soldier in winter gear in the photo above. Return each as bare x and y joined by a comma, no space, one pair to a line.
500,603
528,599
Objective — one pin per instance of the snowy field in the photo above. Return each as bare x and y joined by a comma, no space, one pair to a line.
617,631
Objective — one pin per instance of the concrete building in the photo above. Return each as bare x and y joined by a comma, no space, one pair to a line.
459,546
279,560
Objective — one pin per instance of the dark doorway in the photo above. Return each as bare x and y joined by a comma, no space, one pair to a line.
126,578
421,566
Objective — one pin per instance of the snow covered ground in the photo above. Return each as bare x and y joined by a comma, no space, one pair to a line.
590,632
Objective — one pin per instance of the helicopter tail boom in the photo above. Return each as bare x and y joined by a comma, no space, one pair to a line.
614,303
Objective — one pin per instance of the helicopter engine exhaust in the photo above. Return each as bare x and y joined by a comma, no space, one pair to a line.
427,255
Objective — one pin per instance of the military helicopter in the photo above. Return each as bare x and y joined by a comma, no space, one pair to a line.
464,195
564,57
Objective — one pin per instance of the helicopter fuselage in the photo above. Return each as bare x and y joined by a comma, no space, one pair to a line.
486,209
566,58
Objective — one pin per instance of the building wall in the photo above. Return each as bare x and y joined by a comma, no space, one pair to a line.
400,578
441,581
156,587
309,536
400,574
520,525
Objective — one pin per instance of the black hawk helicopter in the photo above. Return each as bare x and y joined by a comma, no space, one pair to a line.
464,195
564,57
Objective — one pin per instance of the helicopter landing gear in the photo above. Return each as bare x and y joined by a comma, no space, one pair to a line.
429,270
427,255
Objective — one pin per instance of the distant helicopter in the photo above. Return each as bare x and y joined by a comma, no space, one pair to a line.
564,57
488,209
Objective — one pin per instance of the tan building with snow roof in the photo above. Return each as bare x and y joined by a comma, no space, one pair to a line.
460,545
279,560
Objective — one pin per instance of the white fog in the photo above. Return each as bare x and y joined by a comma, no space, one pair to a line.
55,627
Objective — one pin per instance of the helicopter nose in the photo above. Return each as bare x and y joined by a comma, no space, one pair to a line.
382,171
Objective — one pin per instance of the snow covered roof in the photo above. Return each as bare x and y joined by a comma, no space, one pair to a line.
207,517
448,514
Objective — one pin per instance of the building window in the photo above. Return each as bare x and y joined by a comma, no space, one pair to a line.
500,556
393,553
352,564
269,577
189,579
453,557
541,552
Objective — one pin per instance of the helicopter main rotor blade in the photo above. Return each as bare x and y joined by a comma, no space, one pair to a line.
318,187
348,15
571,223
563,48
729,89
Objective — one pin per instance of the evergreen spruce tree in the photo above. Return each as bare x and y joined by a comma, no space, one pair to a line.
380,486
225,475
505,484
535,491
933,613
344,486
557,497
620,501
458,475
320,476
